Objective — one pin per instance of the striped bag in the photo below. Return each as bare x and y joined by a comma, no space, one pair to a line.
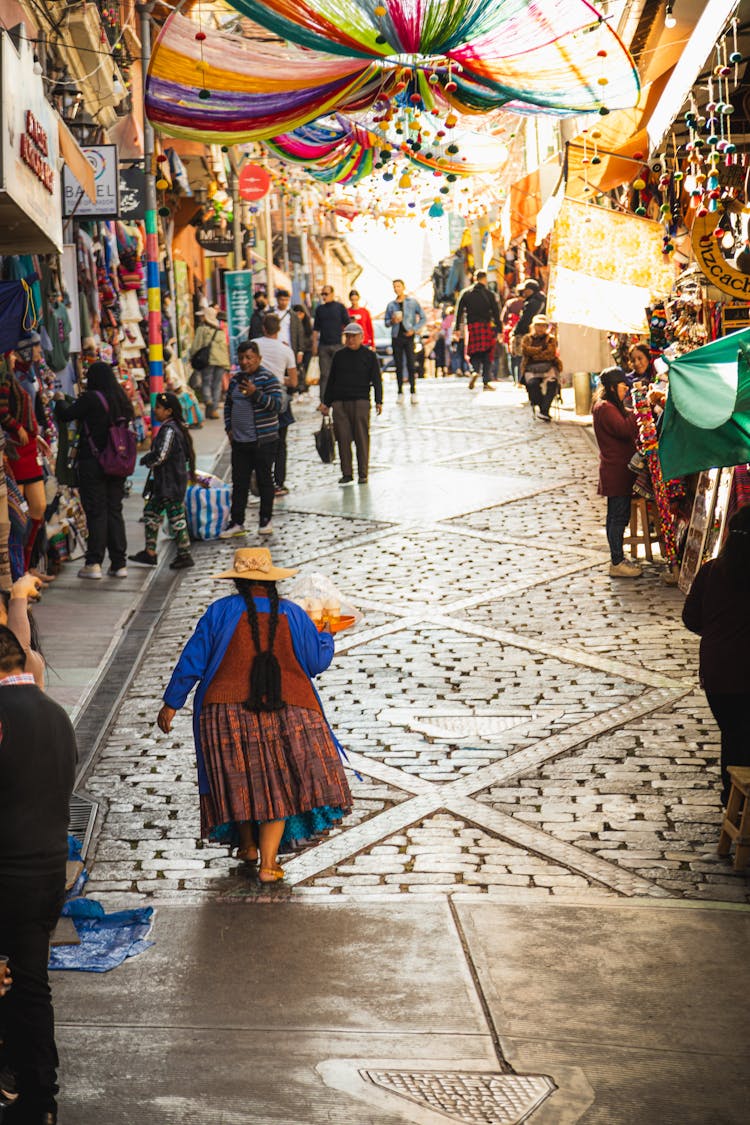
207,510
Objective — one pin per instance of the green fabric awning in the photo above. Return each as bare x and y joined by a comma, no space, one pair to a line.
707,415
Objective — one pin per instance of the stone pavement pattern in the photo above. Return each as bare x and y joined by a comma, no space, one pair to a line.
525,728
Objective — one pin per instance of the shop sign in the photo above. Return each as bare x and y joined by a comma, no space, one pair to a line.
103,159
215,237
711,261
29,153
238,285
35,150
254,182
132,193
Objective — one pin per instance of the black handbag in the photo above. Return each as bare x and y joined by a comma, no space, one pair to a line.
202,356
325,442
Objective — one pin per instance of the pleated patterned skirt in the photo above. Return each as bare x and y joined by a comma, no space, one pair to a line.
270,765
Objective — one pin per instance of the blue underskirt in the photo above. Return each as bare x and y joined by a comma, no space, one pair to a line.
299,831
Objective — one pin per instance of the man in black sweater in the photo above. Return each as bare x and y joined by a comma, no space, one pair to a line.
478,307
37,772
330,320
354,370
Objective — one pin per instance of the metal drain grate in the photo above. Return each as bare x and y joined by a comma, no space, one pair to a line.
476,1099
82,819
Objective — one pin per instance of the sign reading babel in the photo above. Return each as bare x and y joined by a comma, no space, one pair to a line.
707,249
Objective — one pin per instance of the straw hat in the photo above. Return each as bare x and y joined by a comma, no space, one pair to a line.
255,564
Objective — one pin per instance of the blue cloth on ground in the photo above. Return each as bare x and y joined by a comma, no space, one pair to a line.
106,939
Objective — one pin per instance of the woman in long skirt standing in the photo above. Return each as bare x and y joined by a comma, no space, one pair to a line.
269,766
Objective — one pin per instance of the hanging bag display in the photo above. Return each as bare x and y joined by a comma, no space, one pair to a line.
117,458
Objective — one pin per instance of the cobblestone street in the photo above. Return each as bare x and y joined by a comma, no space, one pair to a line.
521,918
525,727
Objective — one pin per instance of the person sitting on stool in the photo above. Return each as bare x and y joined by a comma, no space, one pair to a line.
354,371
541,366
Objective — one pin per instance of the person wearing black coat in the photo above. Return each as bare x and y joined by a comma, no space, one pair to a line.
534,303
718,610
170,461
38,753
103,403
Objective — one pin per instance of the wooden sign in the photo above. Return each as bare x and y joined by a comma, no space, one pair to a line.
707,250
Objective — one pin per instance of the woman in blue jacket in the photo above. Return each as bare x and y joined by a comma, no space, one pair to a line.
269,767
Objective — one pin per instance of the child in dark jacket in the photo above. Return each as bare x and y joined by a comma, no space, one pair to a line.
169,460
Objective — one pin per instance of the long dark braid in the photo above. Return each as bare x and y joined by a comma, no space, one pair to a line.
265,673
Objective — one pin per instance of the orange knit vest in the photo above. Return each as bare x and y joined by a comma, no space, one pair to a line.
231,682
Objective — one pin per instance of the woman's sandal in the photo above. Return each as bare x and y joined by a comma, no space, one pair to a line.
247,855
273,874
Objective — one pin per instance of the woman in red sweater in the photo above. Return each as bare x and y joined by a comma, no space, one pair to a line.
616,435
362,316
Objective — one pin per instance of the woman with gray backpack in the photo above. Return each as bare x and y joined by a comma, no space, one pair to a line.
209,356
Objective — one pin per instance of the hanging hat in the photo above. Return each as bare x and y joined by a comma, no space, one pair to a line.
28,342
255,564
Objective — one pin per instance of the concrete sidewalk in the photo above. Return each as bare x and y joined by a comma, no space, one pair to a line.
353,1015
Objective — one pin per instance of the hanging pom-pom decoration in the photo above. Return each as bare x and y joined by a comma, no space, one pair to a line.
204,94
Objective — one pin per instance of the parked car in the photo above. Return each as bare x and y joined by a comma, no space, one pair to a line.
383,345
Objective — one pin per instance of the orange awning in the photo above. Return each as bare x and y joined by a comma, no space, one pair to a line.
76,160
525,204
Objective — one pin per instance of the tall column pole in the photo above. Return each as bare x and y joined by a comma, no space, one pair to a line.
269,248
155,350
284,236
239,262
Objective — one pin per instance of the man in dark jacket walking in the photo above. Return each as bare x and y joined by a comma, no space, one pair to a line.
534,303
478,307
354,371
37,759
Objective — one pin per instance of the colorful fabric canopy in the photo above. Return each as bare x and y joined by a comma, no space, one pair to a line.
543,56
341,150
707,415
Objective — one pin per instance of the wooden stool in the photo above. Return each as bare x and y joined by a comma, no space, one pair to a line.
639,510
736,823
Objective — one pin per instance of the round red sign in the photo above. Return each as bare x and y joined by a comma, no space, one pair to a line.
254,182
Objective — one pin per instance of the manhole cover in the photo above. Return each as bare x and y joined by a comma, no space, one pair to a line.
472,1099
